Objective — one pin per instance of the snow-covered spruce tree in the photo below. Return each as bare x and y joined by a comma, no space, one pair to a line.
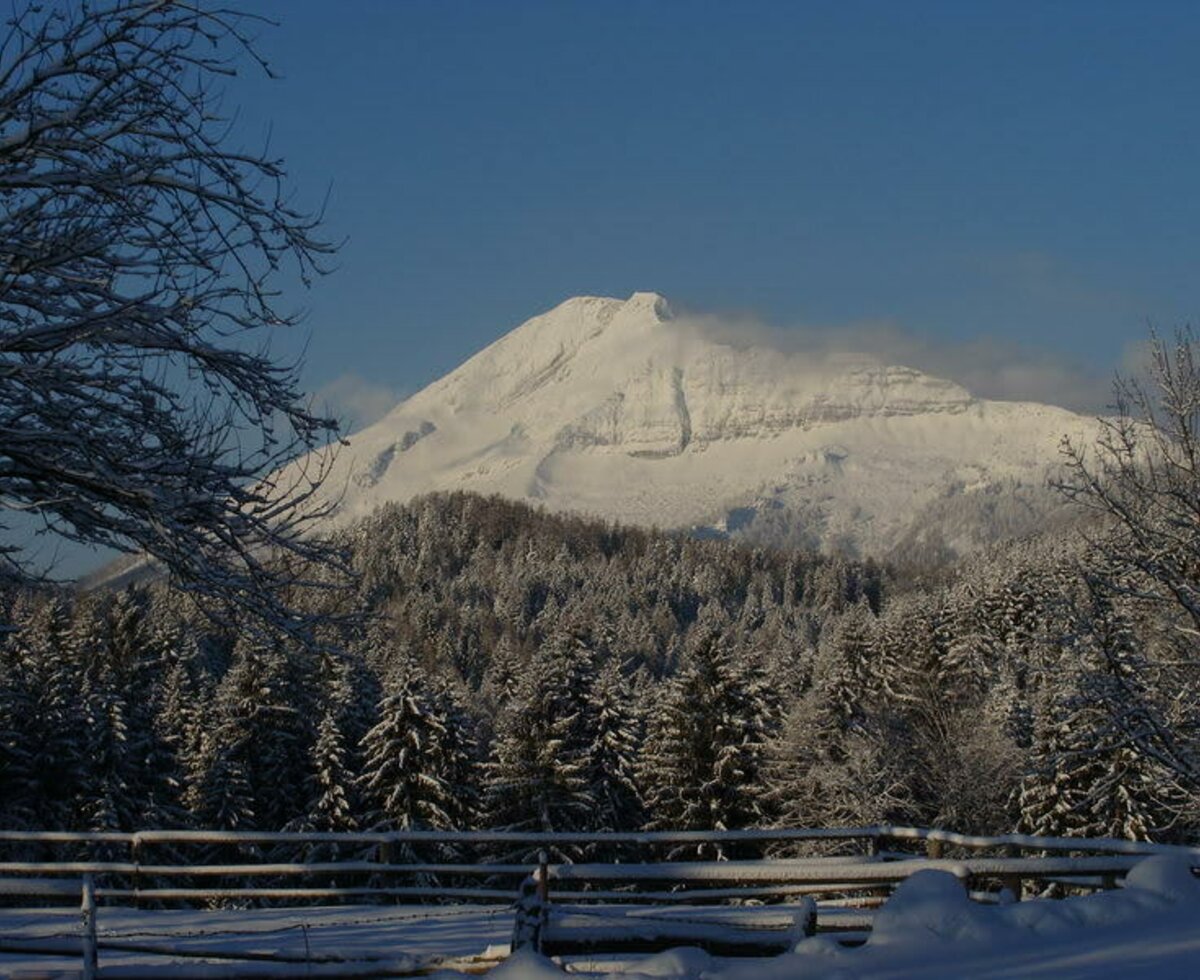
255,754
220,795
17,748
613,751
836,760
606,726
176,726
1135,795
140,256
536,775
332,791
462,766
47,654
1089,774
848,674
701,764
500,679
412,758
125,672
109,796
1061,772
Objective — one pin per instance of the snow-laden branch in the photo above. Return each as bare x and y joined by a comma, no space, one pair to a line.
138,250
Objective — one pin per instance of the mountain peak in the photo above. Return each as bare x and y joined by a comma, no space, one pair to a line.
653,303
608,406
586,315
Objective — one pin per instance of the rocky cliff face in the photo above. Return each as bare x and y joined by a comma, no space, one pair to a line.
616,408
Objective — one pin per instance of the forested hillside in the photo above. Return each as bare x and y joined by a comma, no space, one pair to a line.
523,670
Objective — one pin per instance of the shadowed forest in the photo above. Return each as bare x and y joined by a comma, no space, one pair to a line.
527,671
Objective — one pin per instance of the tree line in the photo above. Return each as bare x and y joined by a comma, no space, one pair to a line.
529,671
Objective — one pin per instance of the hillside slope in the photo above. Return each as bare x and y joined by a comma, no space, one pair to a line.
617,409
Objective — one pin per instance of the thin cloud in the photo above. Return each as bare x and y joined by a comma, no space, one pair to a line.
987,367
355,401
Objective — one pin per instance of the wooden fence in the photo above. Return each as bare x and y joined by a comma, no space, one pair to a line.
186,866
576,897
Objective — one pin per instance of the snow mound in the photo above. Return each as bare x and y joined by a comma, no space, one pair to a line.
676,964
526,965
932,905
1168,876
930,928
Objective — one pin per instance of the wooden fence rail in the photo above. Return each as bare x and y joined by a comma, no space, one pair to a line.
625,891
246,867
878,835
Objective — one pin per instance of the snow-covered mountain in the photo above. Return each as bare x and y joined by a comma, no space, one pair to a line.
617,409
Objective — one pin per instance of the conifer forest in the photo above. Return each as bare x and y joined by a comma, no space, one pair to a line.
514,669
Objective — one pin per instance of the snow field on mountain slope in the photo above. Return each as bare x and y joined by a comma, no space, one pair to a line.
614,409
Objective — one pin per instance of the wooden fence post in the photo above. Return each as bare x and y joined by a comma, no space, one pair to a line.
532,912
933,848
135,854
543,877
386,855
88,916
525,927
543,897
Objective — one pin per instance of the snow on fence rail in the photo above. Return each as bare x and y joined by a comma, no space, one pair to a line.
881,833
549,919
603,890
614,866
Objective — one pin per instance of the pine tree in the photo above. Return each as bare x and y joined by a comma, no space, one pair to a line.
258,743
705,747
1093,765
500,680
536,777
410,760
1055,790
17,777
331,806
221,795
613,752
130,770
109,797
460,765
57,744
848,672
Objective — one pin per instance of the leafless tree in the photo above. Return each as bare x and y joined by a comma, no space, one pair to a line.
141,255
1142,476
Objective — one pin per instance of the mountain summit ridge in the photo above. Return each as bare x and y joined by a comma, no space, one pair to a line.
623,410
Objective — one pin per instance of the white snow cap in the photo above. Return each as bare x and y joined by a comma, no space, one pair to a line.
653,303
619,409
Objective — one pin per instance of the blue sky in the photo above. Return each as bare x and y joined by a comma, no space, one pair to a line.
1018,174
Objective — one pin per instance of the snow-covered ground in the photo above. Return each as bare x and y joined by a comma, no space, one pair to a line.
929,928
406,936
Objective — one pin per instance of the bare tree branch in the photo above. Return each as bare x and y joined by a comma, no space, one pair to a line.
1143,478
139,252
